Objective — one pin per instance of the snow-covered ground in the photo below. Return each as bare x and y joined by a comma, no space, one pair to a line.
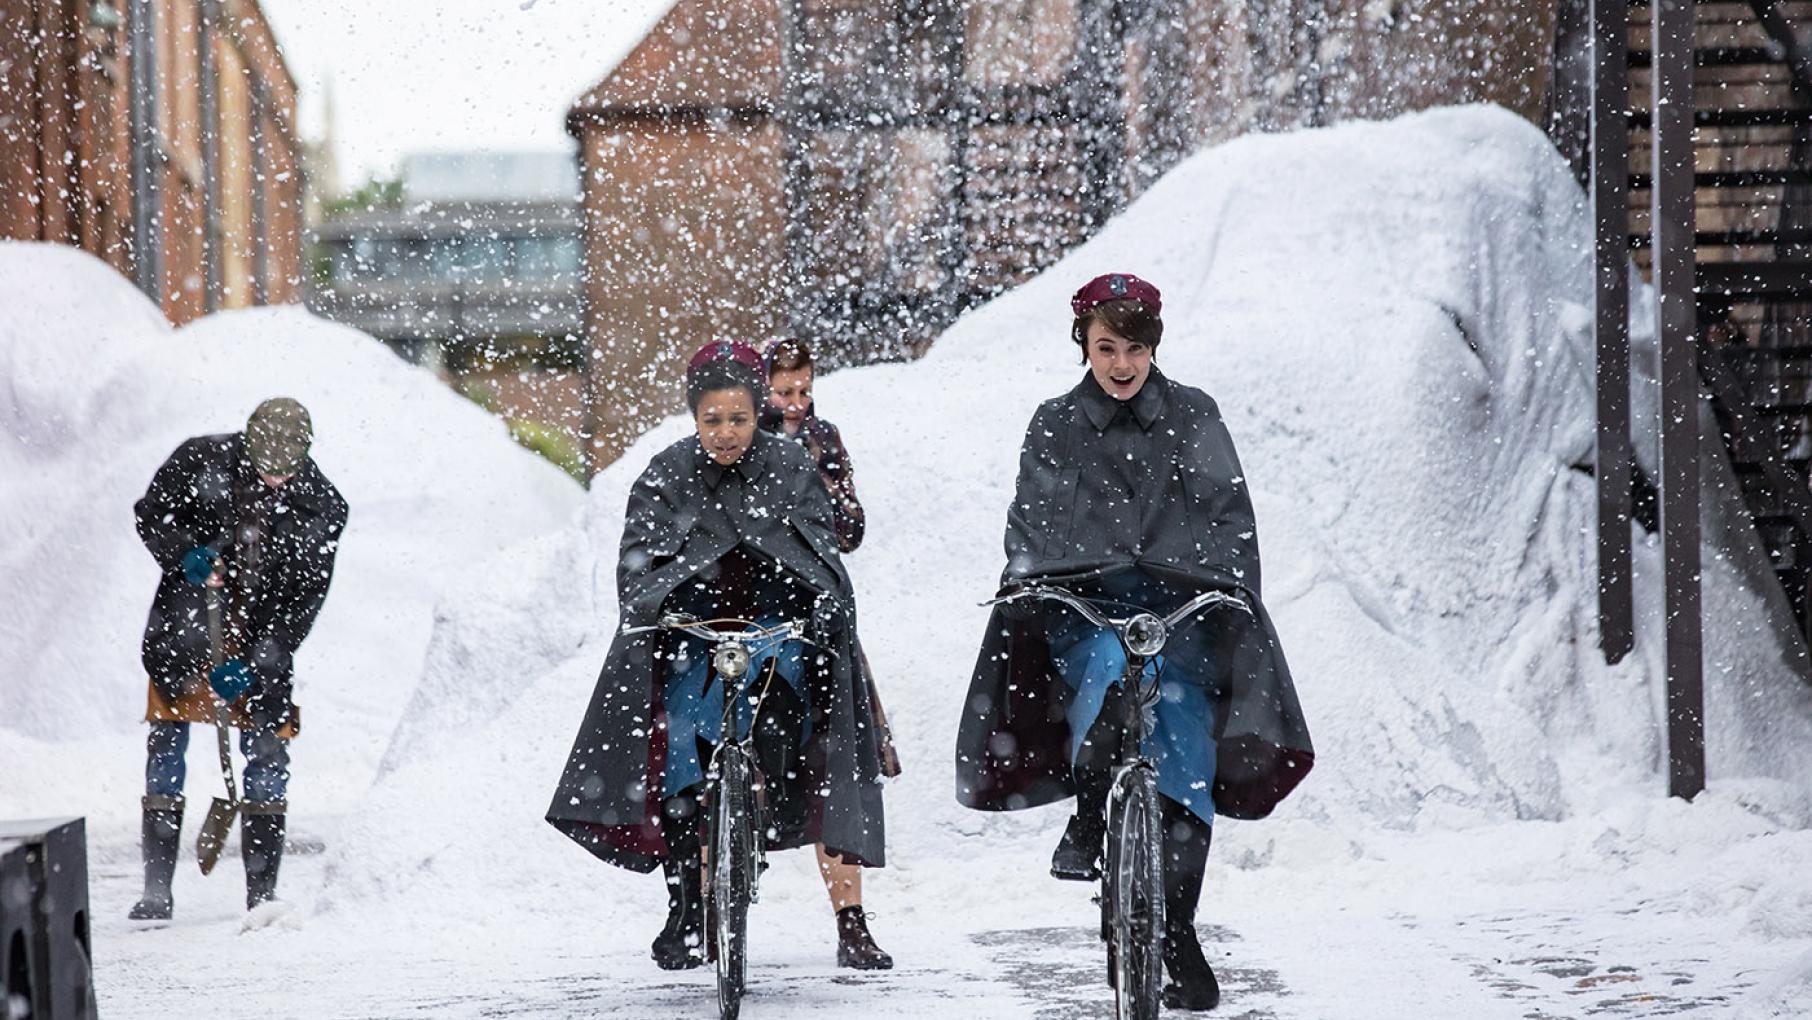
1392,317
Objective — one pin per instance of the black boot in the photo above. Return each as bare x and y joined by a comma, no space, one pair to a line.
159,833
855,946
1078,854
1192,983
261,831
681,943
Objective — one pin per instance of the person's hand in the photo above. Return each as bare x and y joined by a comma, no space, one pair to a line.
230,679
201,566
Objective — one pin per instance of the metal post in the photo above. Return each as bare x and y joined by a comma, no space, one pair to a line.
1675,267
210,154
1610,162
147,208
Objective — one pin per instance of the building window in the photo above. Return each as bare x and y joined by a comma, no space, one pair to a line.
546,258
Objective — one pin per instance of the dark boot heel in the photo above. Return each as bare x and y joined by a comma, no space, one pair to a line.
1192,985
855,946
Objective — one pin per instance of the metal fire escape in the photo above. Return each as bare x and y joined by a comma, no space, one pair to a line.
1701,137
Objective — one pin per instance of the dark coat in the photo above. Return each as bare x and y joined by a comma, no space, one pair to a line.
278,546
686,513
1152,484
822,440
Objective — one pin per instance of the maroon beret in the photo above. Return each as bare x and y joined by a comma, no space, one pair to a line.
725,350
1115,287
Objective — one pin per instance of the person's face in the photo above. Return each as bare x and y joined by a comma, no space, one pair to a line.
726,424
790,391
274,481
1119,365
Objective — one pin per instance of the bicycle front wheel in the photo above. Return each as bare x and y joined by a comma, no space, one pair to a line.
1135,876
732,873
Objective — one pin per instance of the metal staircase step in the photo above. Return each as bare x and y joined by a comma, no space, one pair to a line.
1754,279
1733,179
1639,120
1716,56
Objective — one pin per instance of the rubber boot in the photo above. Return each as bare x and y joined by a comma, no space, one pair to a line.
855,946
1192,983
261,831
681,943
159,833
1078,854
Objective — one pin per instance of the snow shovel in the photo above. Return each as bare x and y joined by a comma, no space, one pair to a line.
221,813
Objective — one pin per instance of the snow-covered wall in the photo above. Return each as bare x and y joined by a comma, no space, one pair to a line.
95,391
1392,317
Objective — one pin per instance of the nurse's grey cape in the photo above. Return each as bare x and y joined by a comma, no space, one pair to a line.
1190,524
685,513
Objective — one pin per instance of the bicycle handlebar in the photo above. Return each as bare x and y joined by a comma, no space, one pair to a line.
689,624
1091,611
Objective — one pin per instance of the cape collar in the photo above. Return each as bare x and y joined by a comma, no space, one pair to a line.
1145,405
749,465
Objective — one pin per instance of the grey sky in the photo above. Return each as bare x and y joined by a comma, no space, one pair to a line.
450,74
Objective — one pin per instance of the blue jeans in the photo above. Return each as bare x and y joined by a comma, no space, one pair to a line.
266,775
1092,661
694,702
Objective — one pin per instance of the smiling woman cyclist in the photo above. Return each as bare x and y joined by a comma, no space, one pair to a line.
729,522
1129,490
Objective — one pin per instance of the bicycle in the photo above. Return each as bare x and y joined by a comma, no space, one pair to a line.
1132,882
735,855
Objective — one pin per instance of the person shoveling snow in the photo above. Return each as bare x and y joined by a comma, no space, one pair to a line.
245,527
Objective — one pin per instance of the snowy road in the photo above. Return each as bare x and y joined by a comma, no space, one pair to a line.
1628,947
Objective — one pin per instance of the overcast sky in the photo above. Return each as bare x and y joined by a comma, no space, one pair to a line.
449,74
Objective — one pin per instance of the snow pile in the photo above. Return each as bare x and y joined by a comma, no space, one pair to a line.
98,390
1392,317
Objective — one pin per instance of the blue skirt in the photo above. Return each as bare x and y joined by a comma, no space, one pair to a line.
1180,730
694,701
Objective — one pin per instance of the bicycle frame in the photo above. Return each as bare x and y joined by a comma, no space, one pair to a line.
1131,885
734,757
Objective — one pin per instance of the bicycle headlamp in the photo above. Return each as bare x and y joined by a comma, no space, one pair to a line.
732,660
1145,635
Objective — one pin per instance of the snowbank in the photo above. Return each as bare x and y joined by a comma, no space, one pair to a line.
97,390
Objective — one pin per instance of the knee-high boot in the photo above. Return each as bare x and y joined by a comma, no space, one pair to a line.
681,943
1078,854
160,831
261,833
1186,839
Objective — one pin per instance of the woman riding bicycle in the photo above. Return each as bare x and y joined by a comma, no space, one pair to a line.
1130,491
733,523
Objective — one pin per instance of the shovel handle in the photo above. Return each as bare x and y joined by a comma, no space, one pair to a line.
223,721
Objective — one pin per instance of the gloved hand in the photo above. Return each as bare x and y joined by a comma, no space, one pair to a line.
826,622
270,707
199,564
230,679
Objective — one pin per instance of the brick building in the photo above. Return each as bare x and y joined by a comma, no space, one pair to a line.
219,148
860,171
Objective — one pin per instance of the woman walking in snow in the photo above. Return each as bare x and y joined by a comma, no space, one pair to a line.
1129,489
792,413
730,523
